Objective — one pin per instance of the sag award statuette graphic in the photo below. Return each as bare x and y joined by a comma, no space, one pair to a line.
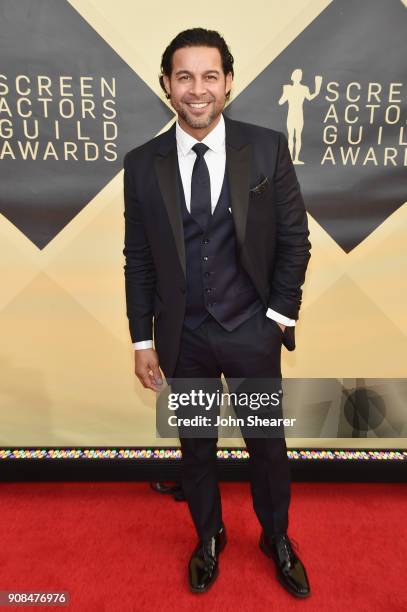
295,95
347,133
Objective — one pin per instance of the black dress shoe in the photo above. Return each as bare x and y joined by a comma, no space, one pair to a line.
204,563
290,570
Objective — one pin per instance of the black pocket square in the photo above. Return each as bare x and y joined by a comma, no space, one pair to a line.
262,186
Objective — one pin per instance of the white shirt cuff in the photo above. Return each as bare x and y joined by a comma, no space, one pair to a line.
280,318
143,344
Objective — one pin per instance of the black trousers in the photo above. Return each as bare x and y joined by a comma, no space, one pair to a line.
252,350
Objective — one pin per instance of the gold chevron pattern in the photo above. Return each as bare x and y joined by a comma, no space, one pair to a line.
66,359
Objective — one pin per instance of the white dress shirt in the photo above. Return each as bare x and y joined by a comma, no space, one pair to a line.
215,158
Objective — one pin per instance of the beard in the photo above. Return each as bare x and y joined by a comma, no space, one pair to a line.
198,122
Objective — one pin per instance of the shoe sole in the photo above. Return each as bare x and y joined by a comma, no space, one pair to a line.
215,575
280,580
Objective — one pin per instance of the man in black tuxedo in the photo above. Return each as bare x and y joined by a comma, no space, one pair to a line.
216,249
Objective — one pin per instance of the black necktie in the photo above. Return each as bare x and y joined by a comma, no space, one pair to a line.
201,209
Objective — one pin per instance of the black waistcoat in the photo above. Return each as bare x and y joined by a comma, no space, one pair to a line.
217,284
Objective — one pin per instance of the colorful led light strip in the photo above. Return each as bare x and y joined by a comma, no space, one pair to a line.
237,454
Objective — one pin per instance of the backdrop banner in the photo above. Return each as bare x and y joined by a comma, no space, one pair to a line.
79,88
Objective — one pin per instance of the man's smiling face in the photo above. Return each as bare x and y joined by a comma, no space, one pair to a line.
198,88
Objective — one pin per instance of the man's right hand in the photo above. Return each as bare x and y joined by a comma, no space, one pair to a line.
147,369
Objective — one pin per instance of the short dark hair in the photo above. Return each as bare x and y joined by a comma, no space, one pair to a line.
196,37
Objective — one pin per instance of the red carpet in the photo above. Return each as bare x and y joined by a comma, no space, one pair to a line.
123,547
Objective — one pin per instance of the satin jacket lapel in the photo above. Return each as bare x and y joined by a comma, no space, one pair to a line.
165,163
238,162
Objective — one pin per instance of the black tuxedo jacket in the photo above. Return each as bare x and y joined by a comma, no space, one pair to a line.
270,222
